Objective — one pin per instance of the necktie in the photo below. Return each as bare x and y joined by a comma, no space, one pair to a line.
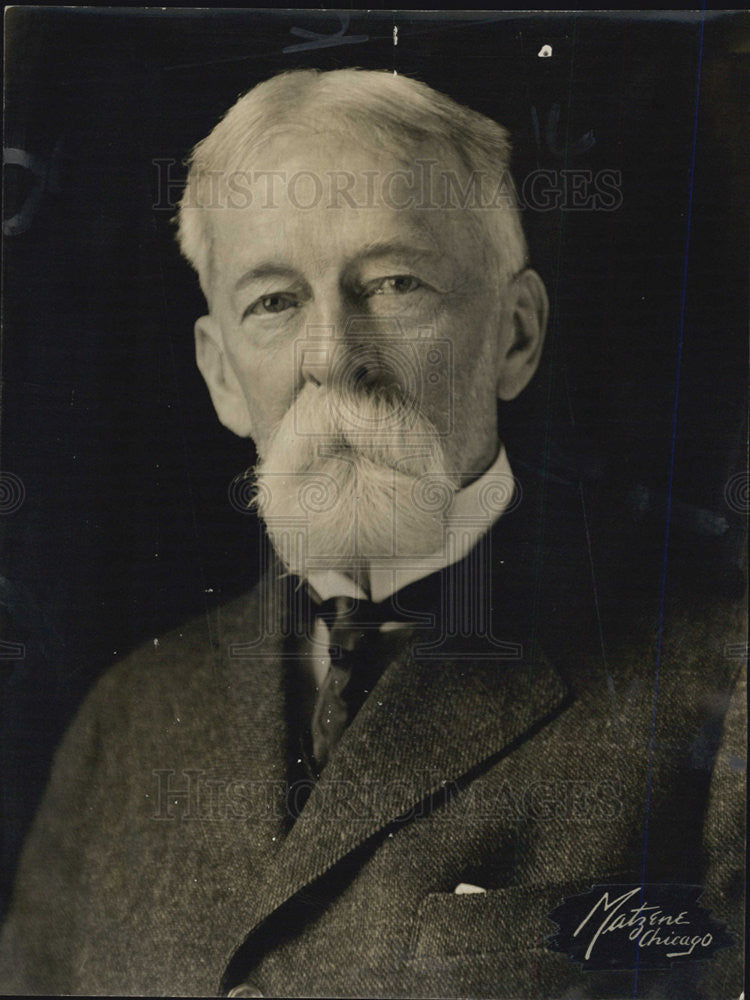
355,650
450,609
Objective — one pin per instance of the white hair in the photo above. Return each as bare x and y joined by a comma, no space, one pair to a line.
375,108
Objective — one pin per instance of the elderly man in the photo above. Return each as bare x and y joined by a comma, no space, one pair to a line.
382,772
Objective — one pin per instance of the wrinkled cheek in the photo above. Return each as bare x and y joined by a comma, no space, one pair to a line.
453,357
267,380
267,407
438,399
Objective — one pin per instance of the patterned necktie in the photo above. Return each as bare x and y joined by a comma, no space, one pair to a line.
355,650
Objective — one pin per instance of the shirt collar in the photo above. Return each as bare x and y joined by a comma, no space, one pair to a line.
474,510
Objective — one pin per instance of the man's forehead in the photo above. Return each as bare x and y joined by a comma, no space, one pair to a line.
286,225
325,198
243,237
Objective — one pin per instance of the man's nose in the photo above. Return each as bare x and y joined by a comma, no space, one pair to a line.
321,344
341,348
317,353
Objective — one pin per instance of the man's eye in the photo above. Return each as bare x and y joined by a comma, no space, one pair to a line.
270,304
397,284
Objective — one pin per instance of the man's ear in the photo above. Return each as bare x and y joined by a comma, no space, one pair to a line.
528,324
226,393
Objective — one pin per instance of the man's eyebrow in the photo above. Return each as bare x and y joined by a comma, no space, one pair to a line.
269,269
373,251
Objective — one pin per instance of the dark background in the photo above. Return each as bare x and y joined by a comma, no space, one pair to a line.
119,524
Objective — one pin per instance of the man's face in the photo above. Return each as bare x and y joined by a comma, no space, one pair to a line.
329,294
362,341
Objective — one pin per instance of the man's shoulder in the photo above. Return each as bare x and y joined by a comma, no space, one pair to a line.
190,664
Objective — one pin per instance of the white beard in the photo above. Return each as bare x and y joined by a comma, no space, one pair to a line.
348,478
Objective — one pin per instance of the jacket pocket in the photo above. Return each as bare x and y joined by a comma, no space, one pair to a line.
499,920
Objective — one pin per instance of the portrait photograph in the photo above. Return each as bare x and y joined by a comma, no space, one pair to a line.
373,503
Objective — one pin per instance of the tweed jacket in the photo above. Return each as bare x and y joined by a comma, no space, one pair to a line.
164,860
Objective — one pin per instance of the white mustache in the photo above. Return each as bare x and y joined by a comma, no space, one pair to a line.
349,467
380,424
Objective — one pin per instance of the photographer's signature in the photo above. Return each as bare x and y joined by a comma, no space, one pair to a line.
646,925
